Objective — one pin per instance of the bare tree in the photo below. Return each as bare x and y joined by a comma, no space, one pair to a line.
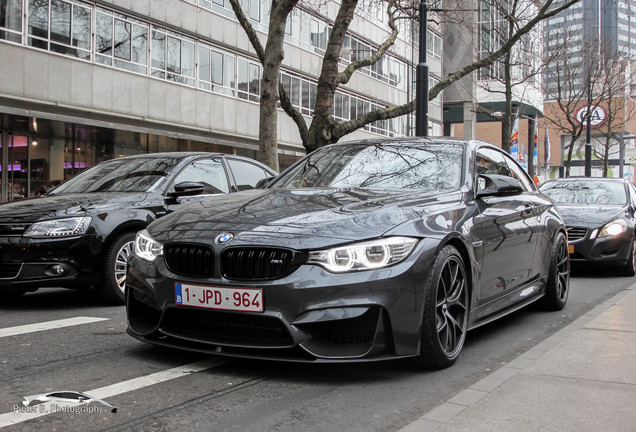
568,85
324,129
619,108
519,68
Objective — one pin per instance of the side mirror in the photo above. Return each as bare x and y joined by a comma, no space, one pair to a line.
497,185
263,182
186,189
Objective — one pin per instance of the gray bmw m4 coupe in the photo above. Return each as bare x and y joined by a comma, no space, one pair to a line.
360,251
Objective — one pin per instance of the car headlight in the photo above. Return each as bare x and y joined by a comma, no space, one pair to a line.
613,228
146,247
66,227
368,255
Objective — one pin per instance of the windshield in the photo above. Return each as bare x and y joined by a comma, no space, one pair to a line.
586,192
430,167
119,175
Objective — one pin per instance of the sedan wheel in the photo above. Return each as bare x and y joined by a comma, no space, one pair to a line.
630,267
445,311
556,294
115,267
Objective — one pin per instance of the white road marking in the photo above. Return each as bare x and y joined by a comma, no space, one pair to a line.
12,418
48,325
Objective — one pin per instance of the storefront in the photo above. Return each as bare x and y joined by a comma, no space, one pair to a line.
37,154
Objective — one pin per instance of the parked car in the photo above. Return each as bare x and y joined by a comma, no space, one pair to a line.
81,233
600,214
360,251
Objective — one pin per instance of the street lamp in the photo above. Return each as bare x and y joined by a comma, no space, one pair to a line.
588,133
421,78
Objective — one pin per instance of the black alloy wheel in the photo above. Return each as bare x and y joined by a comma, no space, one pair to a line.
556,295
115,267
630,267
445,319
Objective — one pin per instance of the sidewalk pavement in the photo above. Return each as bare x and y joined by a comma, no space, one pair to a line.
583,378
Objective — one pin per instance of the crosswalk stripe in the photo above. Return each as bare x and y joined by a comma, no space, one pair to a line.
12,418
48,325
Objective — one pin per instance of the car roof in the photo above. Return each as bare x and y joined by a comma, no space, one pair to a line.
592,179
178,155
471,143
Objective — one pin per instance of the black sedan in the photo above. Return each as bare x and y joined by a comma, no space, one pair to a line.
600,214
360,251
82,232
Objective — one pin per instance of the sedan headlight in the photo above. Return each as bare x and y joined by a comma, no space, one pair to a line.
146,247
363,256
66,227
613,228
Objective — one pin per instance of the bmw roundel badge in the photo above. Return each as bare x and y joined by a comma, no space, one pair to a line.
224,238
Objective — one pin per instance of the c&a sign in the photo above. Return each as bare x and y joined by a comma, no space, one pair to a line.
597,115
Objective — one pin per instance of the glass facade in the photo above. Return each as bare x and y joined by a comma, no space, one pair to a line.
40,153
37,154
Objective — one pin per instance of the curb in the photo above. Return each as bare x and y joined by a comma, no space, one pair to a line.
444,414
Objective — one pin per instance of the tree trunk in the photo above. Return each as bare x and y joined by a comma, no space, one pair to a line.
568,161
272,59
322,125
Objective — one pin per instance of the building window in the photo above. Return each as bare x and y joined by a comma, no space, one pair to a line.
60,26
11,20
216,70
291,84
172,56
308,97
252,9
121,41
249,80
434,45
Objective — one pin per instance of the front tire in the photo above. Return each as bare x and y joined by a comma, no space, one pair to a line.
445,320
556,293
115,266
630,267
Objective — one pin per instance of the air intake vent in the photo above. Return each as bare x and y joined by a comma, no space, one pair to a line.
253,263
575,234
189,259
9,270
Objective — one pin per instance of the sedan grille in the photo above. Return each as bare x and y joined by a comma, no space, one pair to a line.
13,229
189,259
226,328
575,234
254,263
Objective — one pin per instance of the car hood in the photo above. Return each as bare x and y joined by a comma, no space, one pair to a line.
58,206
589,216
278,216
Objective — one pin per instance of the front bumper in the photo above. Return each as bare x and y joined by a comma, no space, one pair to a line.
29,264
607,250
311,315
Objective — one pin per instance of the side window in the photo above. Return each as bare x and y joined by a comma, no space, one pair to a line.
632,194
209,172
246,174
520,174
491,161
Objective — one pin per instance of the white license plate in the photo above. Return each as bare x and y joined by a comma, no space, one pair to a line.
210,297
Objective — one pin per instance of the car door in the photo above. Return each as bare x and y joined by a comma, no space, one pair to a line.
507,226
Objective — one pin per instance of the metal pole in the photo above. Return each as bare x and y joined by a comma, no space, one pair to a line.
588,134
621,155
4,161
421,79
531,146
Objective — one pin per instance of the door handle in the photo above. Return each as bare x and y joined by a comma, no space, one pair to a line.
528,209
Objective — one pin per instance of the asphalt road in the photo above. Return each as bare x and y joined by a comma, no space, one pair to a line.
56,340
